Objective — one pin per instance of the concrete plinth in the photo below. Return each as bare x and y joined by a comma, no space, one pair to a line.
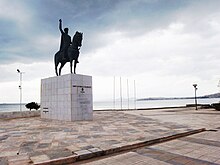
67,97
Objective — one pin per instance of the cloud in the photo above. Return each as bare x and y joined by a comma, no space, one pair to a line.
163,44
15,11
36,20
166,51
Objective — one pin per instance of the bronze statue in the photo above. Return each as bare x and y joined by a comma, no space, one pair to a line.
65,40
68,51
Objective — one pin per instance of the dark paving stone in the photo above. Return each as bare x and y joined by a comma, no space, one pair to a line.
4,137
132,130
25,150
31,143
17,132
96,128
35,153
171,158
179,160
166,157
54,154
201,141
68,130
43,145
96,136
160,130
205,113
87,147
186,160
112,142
150,153
141,138
34,133
3,161
84,136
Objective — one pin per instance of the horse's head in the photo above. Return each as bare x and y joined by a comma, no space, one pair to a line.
77,39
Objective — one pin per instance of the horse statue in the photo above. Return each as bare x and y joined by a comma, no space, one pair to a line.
72,54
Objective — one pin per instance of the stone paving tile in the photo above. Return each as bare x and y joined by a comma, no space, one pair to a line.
202,152
202,141
149,155
39,138
209,158
82,152
130,158
39,158
3,160
183,116
218,161
198,149
54,154
18,160
95,150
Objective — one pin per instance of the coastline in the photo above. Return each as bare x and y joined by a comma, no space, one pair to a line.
110,105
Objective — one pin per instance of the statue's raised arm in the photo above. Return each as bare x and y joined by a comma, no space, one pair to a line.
60,26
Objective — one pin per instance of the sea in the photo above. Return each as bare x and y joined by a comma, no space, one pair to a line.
131,104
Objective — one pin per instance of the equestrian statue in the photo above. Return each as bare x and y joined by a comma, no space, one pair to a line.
69,51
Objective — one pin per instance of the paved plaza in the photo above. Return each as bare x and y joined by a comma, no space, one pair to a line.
200,149
39,141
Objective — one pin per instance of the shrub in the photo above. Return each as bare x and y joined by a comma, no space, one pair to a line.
32,105
216,106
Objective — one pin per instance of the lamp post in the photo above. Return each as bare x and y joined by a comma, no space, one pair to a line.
20,87
195,87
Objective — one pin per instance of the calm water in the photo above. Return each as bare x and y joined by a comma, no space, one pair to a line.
110,105
151,103
12,107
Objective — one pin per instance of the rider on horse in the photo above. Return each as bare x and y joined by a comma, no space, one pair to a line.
65,40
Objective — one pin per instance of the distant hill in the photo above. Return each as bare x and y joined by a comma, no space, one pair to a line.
215,95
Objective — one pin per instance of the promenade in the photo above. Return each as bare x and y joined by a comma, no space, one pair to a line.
123,137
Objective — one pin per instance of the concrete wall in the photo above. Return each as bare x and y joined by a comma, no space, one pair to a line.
12,115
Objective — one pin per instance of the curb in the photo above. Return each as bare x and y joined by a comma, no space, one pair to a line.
96,152
152,108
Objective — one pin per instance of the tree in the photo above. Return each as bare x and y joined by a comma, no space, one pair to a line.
32,105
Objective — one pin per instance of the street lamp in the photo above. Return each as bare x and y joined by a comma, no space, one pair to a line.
195,86
20,87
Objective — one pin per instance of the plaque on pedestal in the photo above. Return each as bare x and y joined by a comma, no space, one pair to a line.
67,97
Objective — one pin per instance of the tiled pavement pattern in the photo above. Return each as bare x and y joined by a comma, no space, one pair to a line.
202,118
32,140
199,149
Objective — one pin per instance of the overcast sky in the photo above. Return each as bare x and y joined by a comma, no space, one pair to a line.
164,45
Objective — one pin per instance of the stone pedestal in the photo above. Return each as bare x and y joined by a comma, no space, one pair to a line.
67,97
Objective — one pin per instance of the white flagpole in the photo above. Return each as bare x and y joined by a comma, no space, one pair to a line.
128,93
121,92
114,93
134,95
